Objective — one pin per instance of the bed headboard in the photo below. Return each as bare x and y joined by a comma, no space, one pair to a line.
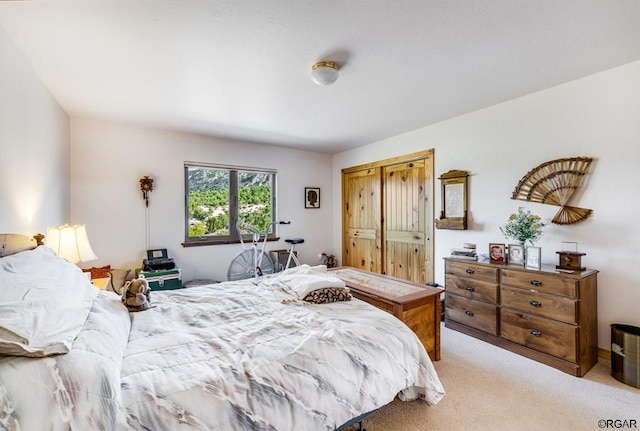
12,243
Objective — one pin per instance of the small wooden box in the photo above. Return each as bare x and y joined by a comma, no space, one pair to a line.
570,260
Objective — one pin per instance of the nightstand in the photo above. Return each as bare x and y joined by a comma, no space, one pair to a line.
101,283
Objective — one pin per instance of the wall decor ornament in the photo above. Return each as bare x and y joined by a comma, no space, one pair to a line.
453,214
312,197
146,186
554,183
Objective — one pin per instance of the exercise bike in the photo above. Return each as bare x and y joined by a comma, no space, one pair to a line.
253,262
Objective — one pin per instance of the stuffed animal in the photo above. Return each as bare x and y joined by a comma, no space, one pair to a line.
136,294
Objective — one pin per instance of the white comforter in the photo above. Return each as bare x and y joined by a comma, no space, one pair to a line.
79,390
229,356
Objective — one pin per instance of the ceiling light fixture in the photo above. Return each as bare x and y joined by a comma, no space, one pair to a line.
324,72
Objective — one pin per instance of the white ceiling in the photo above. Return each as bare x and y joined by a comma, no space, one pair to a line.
240,68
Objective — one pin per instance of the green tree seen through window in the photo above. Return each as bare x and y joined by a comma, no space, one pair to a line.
216,197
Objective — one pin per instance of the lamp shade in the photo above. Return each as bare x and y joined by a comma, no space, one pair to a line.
70,243
324,72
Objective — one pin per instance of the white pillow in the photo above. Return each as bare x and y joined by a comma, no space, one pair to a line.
44,301
304,279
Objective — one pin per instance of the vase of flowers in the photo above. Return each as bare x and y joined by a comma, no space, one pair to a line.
523,226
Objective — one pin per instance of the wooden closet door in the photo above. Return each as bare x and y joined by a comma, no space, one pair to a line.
407,232
387,217
362,220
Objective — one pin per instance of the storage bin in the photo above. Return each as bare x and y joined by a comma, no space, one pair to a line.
625,354
163,280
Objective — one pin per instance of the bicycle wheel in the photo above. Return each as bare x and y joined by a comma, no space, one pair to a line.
242,265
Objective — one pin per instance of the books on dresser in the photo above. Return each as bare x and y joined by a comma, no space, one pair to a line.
467,251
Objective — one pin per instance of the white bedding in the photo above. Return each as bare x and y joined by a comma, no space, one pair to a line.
229,356
79,390
301,280
34,286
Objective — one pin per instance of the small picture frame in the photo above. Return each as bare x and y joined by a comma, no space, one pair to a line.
496,253
312,197
534,257
516,254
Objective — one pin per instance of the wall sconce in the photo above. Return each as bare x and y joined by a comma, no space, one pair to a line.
146,185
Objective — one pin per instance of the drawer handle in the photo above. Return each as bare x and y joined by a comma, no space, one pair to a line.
535,282
470,288
469,271
535,303
535,332
468,313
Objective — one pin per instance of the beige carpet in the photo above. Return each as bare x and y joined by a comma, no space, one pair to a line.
488,388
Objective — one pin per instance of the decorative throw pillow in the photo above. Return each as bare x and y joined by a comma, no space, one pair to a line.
101,272
118,278
328,294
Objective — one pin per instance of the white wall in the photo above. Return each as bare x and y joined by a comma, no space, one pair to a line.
34,149
599,117
108,159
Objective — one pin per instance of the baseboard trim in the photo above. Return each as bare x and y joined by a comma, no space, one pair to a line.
604,354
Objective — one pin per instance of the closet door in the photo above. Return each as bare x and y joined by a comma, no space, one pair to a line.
361,220
407,233
387,217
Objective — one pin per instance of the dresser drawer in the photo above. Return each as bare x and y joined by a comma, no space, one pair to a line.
475,314
540,282
544,335
477,272
554,307
472,289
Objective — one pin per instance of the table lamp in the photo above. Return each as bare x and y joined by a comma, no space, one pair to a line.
70,243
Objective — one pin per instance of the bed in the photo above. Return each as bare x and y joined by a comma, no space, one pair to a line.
242,355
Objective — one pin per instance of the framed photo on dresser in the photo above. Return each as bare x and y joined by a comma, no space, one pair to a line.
516,254
496,253
534,257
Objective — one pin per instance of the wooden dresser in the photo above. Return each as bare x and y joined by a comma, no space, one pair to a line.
546,315
418,306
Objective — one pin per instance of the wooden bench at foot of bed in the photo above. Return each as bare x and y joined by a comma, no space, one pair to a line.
418,306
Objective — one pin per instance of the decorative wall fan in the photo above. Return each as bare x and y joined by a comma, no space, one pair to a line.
553,183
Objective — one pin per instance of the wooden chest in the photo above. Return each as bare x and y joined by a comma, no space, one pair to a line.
547,315
418,306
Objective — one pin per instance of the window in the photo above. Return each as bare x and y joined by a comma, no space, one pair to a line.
217,195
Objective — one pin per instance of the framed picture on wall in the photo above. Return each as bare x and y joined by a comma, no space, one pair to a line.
496,253
534,257
454,200
312,197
